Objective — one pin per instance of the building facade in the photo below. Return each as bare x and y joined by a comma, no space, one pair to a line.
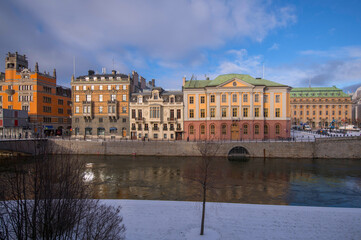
320,107
157,115
14,124
356,107
236,107
48,105
101,104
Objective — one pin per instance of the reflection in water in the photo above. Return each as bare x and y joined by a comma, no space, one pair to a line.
271,181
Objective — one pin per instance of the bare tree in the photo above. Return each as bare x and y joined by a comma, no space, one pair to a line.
204,174
49,199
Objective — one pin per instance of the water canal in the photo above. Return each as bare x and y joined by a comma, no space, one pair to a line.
306,182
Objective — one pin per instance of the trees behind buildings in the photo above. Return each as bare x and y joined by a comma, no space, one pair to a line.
49,199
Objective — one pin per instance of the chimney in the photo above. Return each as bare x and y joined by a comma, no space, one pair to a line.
184,80
54,73
91,72
153,82
36,67
114,72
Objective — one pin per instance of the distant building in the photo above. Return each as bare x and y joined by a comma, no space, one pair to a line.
320,107
236,107
48,105
14,123
101,104
157,115
356,107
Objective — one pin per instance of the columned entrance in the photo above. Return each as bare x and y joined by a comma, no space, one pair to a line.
234,131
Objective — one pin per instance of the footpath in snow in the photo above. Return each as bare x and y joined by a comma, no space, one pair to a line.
172,220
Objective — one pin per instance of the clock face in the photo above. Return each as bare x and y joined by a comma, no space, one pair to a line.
234,84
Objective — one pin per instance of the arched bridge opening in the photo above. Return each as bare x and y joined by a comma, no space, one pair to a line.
238,153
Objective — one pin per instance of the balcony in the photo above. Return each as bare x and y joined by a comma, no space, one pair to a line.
155,129
171,119
139,119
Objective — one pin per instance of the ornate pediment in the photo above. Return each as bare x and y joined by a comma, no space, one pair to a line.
235,83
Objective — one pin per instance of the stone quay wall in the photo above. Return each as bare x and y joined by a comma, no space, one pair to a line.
321,148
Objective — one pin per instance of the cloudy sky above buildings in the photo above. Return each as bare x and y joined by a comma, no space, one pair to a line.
297,42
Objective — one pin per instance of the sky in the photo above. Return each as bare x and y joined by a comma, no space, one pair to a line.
297,43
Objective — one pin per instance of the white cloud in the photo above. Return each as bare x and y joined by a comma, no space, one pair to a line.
328,72
275,46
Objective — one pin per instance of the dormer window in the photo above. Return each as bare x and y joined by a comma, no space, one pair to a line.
155,96
140,100
87,78
95,78
102,78
172,100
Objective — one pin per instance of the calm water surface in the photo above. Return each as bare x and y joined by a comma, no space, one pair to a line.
332,183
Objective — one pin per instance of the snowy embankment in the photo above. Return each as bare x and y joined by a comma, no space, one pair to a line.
181,220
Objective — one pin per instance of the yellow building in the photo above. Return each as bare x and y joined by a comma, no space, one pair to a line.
320,107
48,105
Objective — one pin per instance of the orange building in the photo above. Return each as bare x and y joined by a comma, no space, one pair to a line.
48,105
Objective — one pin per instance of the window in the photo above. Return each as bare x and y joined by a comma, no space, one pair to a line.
191,129
224,129
154,112
203,113
294,113
224,98
213,99
265,112
256,98
265,98
212,130
213,112
60,101
321,112
179,115
256,112
234,112
278,98
92,87
77,88
265,129
203,129
117,87
224,112
133,126
146,127
140,115
165,127
76,109
245,97
109,87
25,108
140,100
124,87
10,98
203,99
139,127
133,113
88,98
278,129
101,120
100,98
245,129
1,98
165,136
191,113
46,109
124,98
84,87
113,97
46,99
245,112
171,127
307,113
326,112
171,100
191,100
101,87
256,129
278,112
234,98
60,110
124,109
100,109
155,96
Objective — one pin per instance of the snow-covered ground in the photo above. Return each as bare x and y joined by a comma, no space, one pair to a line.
171,220
305,136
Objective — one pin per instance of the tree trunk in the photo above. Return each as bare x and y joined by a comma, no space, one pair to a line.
203,209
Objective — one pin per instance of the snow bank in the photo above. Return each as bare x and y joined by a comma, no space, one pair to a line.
171,220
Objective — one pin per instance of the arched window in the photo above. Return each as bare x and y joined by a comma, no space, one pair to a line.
224,129
213,129
278,129
256,129
203,129
245,129
265,129
191,129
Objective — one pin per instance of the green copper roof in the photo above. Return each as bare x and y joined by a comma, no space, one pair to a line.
320,92
226,77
